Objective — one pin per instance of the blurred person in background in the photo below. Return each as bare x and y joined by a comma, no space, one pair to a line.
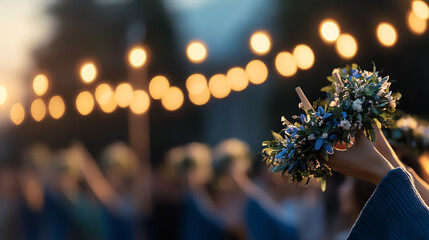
34,176
119,186
10,222
184,208
352,196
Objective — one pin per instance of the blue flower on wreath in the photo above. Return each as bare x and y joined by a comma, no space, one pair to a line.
303,118
323,143
344,114
321,113
355,74
282,154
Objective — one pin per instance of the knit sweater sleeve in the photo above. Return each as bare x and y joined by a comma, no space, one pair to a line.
394,211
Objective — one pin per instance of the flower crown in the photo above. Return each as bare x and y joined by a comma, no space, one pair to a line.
358,100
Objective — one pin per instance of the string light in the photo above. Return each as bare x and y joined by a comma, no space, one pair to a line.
304,56
158,86
173,99
201,98
346,46
40,84
386,34
88,72
415,24
3,94
124,95
329,30
260,43
56,107
237,79
110,105
285,64
140,103
421,9
103,93
196,83
196,51
85,103
219,86
17,113
257,72
38,110
137,57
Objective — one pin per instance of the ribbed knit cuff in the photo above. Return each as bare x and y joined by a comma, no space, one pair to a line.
394,211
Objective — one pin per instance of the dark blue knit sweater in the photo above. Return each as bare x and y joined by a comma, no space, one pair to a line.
395,211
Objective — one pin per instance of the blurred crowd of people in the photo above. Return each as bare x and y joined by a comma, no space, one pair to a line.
195,192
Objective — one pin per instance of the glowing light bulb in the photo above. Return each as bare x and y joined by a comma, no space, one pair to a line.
417,25
140,103
257,72
173,99
40,84
219,86
3,94
56,107
285,64
137,57
237,79
346,46
88,72
38,110
17,113
421,9
158,86
124,95
201,98
386,34
304,56
260,43
196,83
84,103
329,30
196,51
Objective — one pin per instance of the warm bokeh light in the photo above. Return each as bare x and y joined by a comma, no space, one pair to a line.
257,72
304,56
84,103
196,51
140,103
56,107
103,93
158,86
3,94
124,95
415,24
196,83
110,105
173,99
219,86
329,30
201,98
38,110
421,9
386,34
260,43
237,79
346,46
285,64
17,113
137,57
88,72
40,84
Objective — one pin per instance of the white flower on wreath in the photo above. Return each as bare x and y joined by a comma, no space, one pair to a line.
311,137
357,105
325,135
345,124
